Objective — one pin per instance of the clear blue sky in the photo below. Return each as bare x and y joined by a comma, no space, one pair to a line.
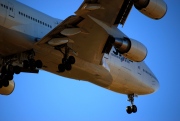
48,97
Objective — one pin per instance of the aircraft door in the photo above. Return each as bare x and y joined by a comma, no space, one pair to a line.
105,61
11,10
139,69
3,11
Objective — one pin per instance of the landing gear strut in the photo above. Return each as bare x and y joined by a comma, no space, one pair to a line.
132,108
67,60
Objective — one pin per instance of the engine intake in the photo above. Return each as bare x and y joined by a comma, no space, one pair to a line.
8,90
155,9
130,48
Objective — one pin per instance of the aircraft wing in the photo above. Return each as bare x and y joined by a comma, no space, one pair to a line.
111,12
87,38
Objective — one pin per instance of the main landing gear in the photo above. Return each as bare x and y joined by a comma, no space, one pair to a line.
132,108
23,62
67,60
7,73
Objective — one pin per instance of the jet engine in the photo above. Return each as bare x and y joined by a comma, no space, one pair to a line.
130,48
154,9
9,89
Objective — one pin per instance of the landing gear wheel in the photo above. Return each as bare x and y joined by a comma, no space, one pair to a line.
64,60
32,64
25,64
68,66
71,60
5,83
1,84
10,68
129,109
17,70
134,108
7,69
39,64
3,70
61,67
9,77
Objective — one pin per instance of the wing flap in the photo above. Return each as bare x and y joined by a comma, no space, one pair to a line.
111,12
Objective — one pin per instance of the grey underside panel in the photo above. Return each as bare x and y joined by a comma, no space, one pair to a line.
12,42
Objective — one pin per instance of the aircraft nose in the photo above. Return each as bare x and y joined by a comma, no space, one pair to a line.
156,85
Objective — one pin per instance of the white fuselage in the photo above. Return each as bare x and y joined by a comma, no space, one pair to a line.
21,27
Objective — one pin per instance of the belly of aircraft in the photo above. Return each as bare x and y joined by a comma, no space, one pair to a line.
126,82
12,42
81,70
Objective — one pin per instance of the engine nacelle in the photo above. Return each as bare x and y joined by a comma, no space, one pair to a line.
8,90
154,9
130,48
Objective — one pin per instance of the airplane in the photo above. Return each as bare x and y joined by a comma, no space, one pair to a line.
86,46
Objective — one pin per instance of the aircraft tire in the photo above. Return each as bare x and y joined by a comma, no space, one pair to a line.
32,64
10,69
61,67
5,83
25,64
134,108
129,109
17,70
68,66
71,60
1,84
39,64
64,60
3,69
9,77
